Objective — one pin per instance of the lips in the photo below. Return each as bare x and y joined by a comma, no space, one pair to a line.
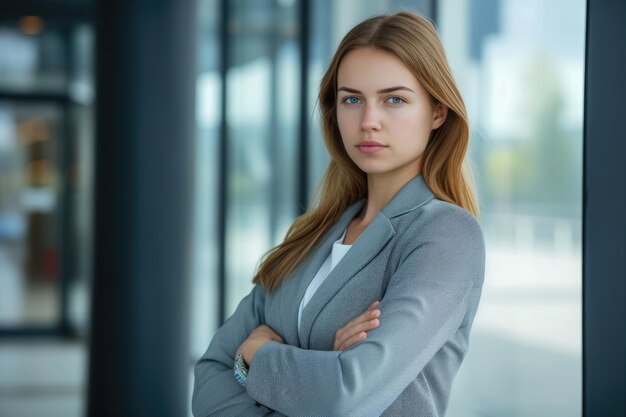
370,146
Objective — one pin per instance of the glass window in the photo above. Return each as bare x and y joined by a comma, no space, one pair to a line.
32,56
520,66
262,92
79,177
46,164
204,317
29,213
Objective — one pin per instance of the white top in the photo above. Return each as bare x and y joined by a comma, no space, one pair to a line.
338,252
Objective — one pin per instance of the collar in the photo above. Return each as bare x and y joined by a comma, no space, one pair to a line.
412,195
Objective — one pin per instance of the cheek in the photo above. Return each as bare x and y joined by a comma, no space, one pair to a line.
346,124
418,125
342,114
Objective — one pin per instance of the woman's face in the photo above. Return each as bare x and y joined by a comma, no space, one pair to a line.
385,116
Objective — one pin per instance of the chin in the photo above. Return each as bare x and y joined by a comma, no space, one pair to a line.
371,169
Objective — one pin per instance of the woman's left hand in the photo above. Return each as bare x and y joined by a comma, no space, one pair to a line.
356,330
257,338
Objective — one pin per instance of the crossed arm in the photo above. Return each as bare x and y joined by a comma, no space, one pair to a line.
347,336
424,306
217,373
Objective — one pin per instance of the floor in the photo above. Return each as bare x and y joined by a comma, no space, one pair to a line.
42,378
45,378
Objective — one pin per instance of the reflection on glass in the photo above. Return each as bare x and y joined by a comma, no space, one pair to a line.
204,317
262,89
521,73
46,163
80,196
32,57
29,213
78,192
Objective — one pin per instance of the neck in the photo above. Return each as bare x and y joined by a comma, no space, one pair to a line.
380,190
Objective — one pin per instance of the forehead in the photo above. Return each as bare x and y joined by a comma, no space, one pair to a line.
373,69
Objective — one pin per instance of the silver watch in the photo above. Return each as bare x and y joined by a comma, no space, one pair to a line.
241,369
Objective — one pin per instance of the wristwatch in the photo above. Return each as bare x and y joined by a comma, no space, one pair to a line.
241,369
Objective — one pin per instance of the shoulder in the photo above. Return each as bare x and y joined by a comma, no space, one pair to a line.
445,226
437,217
445,218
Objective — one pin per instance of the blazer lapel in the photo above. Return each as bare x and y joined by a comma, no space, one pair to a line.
371,241
293,288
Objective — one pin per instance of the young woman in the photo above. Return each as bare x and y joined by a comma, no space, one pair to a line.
365,309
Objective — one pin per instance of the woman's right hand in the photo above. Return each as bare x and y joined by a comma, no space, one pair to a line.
356,330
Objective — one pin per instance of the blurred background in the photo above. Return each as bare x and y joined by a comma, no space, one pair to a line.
258,156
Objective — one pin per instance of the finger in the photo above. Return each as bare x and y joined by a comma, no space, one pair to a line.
366,327
373,305
353,331
359,337
365,315
344,333
349,329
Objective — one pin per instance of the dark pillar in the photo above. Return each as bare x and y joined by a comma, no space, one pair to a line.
302,168
604,250
145,59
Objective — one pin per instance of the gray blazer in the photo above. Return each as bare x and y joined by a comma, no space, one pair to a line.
423,258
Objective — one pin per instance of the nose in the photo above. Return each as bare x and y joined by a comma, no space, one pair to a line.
370,119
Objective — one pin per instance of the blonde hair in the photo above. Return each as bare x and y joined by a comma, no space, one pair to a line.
415,41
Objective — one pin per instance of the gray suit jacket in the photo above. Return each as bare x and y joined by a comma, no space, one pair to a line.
423,258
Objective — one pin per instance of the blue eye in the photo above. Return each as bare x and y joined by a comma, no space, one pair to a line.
351,100
395,100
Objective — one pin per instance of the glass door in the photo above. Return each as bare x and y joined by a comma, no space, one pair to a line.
45,175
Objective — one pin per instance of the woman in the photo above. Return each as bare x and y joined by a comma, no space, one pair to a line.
365,308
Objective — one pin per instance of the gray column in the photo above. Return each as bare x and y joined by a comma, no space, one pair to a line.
139,353
604,235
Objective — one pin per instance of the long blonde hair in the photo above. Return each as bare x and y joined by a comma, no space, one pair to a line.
415,41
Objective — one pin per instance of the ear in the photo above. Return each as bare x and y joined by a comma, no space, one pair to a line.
440,112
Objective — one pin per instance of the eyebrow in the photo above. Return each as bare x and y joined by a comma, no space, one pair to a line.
384,90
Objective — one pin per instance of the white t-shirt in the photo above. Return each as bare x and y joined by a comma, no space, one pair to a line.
336,254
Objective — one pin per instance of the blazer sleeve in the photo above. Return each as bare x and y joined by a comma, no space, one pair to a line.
215,391
424,305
